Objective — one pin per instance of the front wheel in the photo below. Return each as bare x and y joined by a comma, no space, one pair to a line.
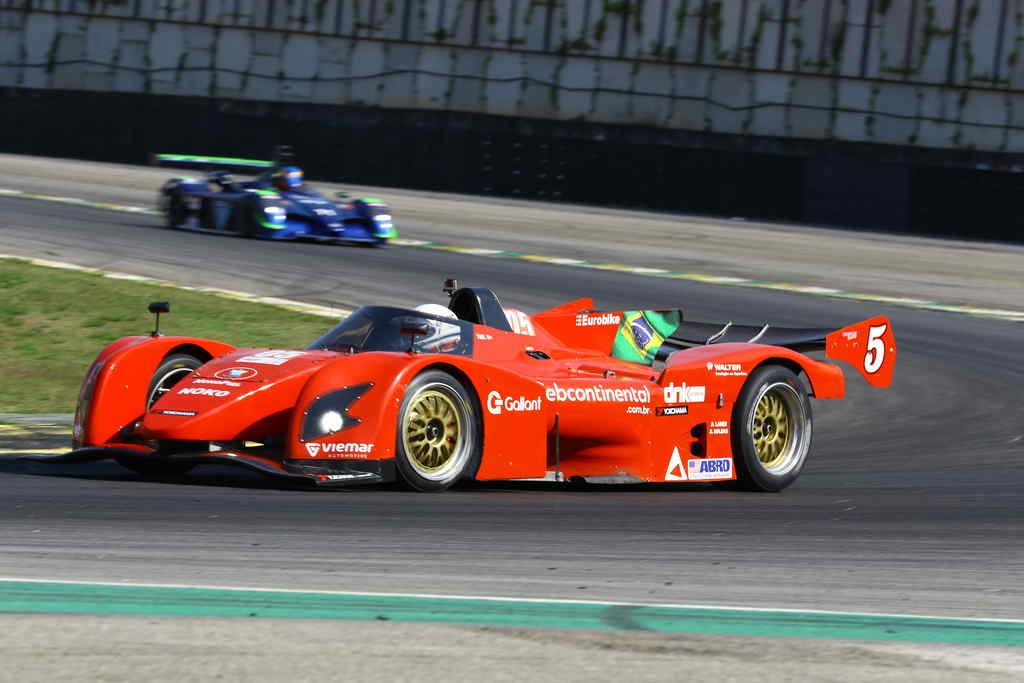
175,211
771,429
438,439
173,370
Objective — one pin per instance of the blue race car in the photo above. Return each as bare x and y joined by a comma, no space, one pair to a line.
276,205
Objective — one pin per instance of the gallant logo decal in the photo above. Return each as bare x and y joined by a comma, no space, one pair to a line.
496,404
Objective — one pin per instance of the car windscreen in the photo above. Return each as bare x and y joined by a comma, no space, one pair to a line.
380,328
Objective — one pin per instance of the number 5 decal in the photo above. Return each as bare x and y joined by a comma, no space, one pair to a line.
875,355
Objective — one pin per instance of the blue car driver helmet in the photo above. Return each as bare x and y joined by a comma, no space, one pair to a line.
288,178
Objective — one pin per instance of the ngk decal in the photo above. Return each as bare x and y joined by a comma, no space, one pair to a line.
336,449
727,369
496,404
272,357
683,393
204,391
597,393
519,322
592,319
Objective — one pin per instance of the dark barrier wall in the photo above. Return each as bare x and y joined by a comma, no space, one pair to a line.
844,184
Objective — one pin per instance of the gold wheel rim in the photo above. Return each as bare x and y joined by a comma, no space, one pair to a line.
432,431
772,429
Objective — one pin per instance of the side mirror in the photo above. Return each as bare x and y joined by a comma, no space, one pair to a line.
415,327
158,307
342,195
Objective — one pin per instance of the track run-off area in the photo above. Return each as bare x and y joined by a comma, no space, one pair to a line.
897,555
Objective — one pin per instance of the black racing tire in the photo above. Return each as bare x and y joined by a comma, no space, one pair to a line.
174,369
175,211
438,439
771,429
242,221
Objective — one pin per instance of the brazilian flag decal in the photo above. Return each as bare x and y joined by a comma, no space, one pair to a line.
642,332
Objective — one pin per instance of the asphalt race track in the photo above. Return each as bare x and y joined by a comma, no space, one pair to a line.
912,501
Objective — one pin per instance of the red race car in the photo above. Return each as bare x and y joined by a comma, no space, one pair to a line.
435,395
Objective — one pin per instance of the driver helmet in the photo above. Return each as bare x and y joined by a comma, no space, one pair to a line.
436,309
288,178
442,338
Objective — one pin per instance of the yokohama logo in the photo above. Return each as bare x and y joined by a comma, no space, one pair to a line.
315,449
588,320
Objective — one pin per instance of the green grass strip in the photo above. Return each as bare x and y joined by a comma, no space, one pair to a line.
71,598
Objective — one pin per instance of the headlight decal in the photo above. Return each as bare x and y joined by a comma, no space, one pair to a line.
328,413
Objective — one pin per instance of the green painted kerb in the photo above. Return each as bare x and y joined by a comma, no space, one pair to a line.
66,598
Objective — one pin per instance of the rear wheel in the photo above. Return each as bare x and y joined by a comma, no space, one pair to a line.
175,211
174,369
771,429
438,440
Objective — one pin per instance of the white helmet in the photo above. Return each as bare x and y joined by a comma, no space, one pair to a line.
436,309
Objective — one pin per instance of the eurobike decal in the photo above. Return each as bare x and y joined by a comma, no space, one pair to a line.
595,319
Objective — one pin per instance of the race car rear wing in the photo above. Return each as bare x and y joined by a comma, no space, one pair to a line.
204,162
869,345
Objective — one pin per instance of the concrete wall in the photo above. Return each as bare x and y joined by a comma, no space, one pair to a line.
926,73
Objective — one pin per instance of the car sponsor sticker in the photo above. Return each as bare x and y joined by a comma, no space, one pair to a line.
236,373
204,391
597,393
638,410
352,449
666,411
184,413
718,427
496,404
708,469
675,471
683,393
272,357
726,369
594,319
219,382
